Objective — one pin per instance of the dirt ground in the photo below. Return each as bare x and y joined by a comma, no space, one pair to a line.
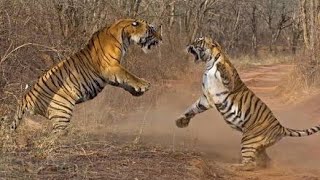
147,145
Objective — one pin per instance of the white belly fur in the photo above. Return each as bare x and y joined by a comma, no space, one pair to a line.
212,86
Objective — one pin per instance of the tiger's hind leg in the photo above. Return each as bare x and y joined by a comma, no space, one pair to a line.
60,113
249,159
263,159
254,158
254,153
61,120
252,149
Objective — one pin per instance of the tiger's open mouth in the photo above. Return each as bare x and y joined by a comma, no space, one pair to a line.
148,42
153,38
195,53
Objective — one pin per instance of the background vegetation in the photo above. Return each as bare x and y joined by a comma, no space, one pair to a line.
34,35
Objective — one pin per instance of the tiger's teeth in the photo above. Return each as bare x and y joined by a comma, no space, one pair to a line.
145,50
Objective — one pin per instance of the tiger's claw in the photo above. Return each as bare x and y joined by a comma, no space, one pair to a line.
141,87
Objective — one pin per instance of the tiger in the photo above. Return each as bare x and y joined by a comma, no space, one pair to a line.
84,74
223,89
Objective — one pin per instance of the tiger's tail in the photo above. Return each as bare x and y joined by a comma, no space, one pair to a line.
300,133
18,116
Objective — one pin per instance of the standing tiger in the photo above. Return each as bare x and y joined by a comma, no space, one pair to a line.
239,106
83,75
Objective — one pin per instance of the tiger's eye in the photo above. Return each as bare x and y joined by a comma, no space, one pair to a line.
135,23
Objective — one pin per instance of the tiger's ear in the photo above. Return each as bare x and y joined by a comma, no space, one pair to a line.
215,44
231,77
159,29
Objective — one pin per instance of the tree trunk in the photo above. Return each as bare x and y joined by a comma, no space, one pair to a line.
136,6
172,10
254,31
303,4
296,31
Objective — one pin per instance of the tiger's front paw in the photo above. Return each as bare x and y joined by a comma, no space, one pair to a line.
182,122
140,87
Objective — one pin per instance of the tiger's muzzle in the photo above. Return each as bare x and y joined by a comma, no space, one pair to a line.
195,52
153,37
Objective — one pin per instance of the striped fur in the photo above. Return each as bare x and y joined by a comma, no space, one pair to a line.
239,106
83,75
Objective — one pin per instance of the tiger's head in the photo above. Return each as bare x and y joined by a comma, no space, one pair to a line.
139,32
203,49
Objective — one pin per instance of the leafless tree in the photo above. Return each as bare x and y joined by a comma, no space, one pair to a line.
311,24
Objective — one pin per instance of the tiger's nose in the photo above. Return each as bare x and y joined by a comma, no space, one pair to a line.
151,29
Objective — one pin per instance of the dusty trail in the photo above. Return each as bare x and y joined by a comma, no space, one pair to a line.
293,158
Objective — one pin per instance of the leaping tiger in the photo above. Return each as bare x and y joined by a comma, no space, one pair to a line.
239,106
83,75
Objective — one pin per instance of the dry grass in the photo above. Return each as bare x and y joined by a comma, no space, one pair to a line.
302,82
247,61
112,157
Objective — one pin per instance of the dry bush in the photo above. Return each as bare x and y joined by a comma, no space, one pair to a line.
303,80
96,158
246,61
